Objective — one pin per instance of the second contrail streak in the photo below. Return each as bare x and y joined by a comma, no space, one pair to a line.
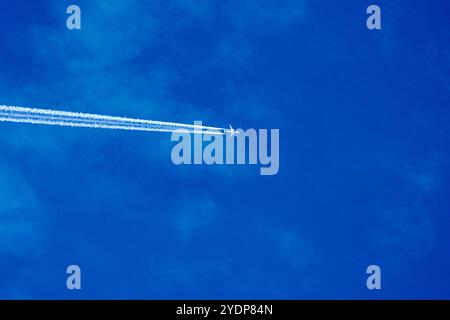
76,119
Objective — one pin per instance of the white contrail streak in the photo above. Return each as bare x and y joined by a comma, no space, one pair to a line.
87,120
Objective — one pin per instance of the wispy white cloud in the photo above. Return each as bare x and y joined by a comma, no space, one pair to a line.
404,230
297,250
195,215
21,217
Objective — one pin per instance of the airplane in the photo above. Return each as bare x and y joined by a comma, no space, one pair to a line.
232,132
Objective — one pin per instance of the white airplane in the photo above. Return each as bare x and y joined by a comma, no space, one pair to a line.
232,132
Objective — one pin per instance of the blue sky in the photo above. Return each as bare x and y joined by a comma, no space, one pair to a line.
364,154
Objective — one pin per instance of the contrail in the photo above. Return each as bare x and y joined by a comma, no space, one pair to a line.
87,120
